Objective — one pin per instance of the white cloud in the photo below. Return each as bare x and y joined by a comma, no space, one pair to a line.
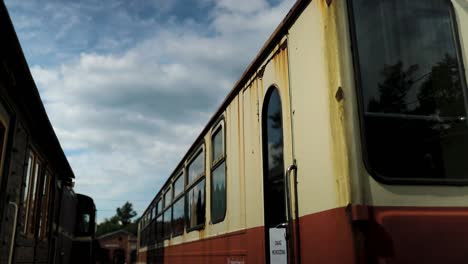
242,6
126,117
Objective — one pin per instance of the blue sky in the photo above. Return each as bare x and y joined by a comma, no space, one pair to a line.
129,84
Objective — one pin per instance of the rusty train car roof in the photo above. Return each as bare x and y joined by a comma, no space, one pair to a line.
262,55
25,95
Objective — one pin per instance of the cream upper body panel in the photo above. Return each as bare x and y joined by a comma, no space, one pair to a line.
313,107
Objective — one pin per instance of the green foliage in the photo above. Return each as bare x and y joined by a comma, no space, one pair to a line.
126,213
121,220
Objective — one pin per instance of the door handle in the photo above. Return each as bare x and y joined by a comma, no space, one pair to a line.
289,218
287,188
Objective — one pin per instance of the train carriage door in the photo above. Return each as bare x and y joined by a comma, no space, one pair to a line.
273,178
277,157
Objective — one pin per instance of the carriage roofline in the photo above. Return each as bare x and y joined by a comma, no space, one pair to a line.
262,55
26,97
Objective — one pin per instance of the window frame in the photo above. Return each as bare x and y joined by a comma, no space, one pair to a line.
5,122
45,204
216,163
159,212
167,206
160,237
158,202
165,236
360,103
201,149
179,198
34,193
30,158
168,191
187,224
190,185
179,175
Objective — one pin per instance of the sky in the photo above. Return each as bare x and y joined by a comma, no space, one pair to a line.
129,84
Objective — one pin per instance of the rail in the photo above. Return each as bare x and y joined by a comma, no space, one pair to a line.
429,118
289,217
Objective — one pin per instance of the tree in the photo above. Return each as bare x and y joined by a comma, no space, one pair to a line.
121,220
108,225
126,213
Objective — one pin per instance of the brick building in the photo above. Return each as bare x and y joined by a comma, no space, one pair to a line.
118,247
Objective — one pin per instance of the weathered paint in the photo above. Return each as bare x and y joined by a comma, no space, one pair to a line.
336,108
317,184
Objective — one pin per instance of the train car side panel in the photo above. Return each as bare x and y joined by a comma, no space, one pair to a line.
320,145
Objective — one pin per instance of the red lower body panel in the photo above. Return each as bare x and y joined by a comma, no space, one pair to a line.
326,237
417,235
391,235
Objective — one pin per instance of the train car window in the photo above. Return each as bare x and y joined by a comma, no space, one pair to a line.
196,206
178,217
153,213
167,197
217,141
31,194
84,223
33,202
2,145
178,185
142,239
196,167
152,230
139,235
159,228
44,216
159,206
26,192
145,236
218,175
167,223
413,93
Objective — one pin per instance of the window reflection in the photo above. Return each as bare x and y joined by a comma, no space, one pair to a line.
167,197
196,167
159,227
159,205
412,89
167,222
274,189
217,141
178,217
179,185
83,226
218,192
196,205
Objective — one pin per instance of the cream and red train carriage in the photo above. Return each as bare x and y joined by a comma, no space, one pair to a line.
344,141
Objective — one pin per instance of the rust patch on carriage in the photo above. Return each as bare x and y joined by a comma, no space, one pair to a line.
336,104
280,62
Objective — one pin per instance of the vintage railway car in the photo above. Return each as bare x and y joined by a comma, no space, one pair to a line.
344,141
42,220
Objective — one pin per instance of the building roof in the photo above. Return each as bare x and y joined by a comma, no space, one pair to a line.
120,231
